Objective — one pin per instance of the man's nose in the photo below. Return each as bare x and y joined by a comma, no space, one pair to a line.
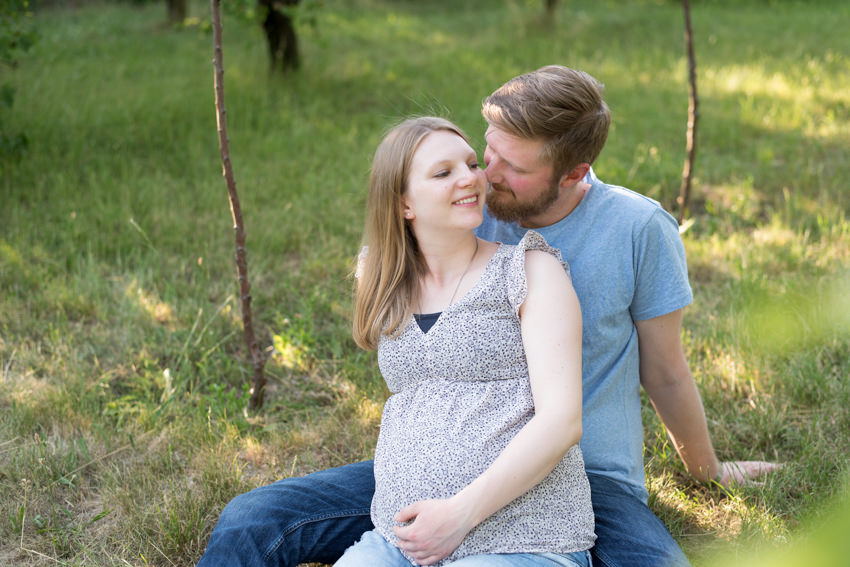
492,172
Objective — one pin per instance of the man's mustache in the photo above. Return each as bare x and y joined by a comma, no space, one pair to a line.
500,188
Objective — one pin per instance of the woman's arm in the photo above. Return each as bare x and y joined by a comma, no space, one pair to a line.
551,335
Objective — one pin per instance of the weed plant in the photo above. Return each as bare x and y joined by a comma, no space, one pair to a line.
123,373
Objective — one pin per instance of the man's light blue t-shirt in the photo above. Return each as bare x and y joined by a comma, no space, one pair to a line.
627,263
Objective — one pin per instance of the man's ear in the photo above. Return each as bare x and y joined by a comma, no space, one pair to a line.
575,175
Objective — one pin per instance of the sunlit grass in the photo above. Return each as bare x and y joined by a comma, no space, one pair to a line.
123,373
810,105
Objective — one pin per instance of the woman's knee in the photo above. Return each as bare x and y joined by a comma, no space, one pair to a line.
372,549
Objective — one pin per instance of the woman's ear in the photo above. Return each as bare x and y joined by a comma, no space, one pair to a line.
407,212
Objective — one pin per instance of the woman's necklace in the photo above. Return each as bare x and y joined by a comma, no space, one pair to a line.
460,279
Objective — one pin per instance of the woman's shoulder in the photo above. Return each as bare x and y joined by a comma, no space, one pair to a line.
533,247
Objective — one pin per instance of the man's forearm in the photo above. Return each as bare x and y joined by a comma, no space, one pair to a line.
667,379
680,408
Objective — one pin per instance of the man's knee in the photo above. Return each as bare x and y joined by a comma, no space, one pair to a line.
628,532
244,507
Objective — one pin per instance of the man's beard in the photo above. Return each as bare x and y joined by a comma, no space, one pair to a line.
503,205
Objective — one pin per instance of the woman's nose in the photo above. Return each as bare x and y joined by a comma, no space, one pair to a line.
469,177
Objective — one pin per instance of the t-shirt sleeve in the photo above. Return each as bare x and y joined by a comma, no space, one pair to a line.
517,282
661,270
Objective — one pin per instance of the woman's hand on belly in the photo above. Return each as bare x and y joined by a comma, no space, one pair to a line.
435,529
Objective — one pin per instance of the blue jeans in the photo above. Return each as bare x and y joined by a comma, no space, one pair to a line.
315,518
373,549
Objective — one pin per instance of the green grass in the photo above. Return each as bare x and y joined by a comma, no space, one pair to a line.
122,366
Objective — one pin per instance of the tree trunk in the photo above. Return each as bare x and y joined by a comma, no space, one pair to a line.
280,34
176,11
257,359
693,115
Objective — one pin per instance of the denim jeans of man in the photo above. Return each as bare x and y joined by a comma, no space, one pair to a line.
315,518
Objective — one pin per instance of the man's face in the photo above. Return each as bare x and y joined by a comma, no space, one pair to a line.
521,184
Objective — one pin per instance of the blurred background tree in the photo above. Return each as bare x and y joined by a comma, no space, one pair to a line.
280,20
177,11
16,36
280,33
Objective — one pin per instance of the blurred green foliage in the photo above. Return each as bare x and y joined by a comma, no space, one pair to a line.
17,35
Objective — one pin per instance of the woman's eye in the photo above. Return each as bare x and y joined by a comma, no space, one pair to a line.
443,173
474,165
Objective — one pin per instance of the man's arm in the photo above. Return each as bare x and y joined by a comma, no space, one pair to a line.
667,379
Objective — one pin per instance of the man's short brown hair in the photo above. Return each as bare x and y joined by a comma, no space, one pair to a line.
562,107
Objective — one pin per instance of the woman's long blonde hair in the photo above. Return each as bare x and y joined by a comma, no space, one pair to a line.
388,284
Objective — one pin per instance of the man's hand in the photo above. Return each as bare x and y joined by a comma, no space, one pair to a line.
436,529
744,472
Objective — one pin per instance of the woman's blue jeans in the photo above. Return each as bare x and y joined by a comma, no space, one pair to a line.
373,549
315,518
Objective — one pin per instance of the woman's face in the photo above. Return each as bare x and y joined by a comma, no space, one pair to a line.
445,187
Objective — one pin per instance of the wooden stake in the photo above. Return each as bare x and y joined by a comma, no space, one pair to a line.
257,359
693,114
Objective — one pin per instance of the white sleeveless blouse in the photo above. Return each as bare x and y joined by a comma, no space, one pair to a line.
461,392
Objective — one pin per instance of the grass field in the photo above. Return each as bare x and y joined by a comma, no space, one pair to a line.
123,373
